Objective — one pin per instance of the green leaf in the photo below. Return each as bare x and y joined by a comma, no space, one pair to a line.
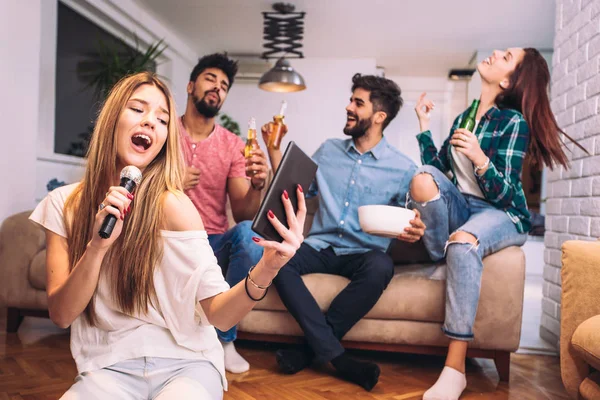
228,123
102,69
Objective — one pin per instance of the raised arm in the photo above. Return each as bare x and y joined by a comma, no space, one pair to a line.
429,153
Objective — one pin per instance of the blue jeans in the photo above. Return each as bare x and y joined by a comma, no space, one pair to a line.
450,212
236,253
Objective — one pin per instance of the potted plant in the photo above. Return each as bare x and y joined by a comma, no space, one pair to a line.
230,124
102,69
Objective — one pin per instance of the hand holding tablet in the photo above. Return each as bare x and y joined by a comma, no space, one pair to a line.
296,168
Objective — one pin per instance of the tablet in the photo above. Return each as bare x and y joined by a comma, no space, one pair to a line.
295,168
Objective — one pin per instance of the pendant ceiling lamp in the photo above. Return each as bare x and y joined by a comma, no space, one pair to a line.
283,31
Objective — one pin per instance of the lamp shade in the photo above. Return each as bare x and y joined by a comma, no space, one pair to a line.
282,78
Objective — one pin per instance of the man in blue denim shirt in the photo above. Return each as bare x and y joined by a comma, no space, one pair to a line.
362,170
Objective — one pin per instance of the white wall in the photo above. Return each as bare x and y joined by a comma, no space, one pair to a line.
28,80
20,82
314,114
318,113
449,98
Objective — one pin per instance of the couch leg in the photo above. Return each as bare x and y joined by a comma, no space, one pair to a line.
13,319
502,361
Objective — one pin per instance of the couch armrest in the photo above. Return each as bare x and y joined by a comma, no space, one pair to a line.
580,300
20,241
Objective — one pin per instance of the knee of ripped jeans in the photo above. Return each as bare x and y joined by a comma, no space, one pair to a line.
422,187
462,238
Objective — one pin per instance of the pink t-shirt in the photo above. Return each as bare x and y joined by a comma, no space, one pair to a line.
218,157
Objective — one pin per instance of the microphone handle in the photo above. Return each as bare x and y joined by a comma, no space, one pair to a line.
110,221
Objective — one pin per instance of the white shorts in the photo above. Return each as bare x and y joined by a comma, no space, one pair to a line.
149,378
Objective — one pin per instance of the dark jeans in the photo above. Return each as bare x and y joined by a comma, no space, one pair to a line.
369,275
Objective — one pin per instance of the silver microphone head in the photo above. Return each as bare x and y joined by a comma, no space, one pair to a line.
133,173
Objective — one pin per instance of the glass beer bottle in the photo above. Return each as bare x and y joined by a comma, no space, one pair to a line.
251,142
468,122
278,128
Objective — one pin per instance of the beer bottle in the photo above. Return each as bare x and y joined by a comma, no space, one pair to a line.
251,142
468,121
278,128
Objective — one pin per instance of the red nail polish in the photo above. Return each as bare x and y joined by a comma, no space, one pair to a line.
285,194
270,214
300,188
129,196
122,217
255,239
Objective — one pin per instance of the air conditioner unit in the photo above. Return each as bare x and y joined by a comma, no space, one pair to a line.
251,68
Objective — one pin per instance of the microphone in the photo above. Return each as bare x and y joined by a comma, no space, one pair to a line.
130,177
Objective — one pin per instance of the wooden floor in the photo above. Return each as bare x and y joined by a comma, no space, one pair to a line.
36,364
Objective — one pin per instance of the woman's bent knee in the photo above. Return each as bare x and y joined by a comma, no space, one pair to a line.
423,188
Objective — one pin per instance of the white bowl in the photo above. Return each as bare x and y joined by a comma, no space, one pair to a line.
385,221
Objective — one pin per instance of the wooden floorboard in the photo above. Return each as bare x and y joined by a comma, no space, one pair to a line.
36,363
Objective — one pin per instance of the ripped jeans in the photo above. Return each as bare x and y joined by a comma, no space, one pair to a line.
453,211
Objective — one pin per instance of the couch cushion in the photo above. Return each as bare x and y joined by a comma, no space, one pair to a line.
37,271
399,332
418,292
586,341
412,294
497,325
365,330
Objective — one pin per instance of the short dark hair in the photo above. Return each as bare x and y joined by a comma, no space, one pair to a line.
216,60
385,94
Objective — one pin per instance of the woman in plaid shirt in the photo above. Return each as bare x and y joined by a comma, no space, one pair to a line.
470,194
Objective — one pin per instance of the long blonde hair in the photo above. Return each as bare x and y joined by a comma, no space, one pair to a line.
131,260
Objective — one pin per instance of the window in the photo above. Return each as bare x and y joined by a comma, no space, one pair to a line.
77,105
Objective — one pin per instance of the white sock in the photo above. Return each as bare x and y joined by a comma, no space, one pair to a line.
449,386
234,362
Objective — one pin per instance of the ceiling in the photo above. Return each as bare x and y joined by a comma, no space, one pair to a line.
406,37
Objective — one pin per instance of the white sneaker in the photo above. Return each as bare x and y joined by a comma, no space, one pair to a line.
234,362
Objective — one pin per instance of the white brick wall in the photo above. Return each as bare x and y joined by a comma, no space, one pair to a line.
573,204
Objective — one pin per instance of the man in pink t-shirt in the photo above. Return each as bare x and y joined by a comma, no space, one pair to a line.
215,169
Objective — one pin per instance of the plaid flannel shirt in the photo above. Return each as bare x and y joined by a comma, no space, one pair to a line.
503,136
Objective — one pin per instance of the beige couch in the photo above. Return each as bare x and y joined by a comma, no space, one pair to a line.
407,318
580,319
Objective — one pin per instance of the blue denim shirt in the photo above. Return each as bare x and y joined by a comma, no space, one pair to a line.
347,180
